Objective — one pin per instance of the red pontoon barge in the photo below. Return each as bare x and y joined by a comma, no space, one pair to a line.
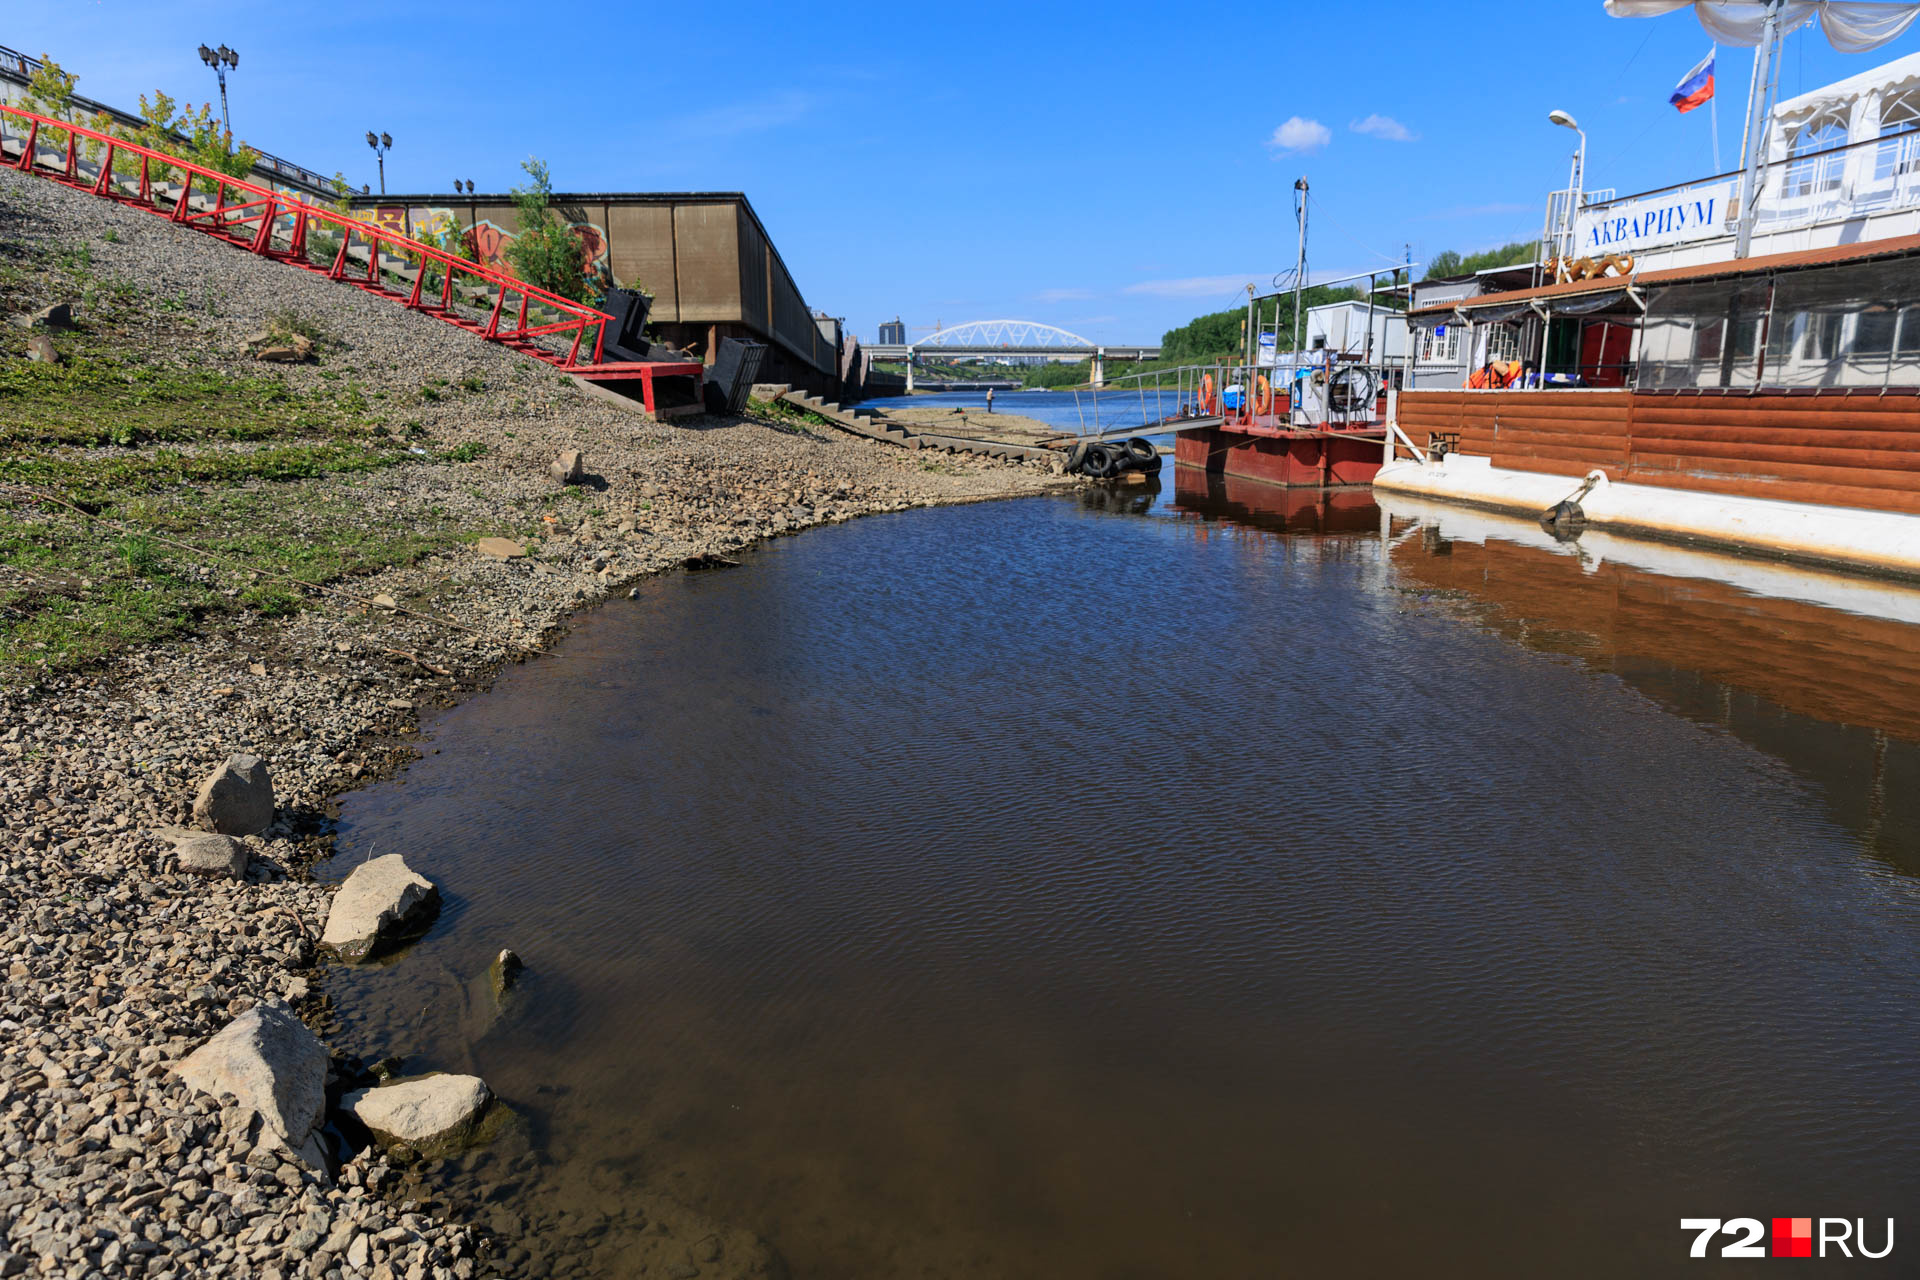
1322,426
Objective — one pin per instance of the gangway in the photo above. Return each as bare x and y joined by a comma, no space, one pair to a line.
273,224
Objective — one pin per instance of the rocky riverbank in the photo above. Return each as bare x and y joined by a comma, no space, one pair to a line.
159,612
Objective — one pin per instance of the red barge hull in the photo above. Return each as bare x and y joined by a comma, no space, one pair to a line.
1280,456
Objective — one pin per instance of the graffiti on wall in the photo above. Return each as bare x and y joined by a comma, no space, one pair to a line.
491,241
430,223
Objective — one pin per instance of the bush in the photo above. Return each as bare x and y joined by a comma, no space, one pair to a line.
545,252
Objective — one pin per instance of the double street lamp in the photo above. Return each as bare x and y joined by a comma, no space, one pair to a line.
220,60
381,144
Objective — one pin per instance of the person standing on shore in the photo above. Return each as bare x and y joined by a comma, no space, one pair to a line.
989,399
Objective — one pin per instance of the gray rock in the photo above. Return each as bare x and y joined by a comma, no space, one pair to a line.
384,899
237,798
503,973
40,350
568,468
57,316
211,855
431,1114
267,1061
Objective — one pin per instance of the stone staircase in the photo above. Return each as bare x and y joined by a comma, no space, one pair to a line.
875,425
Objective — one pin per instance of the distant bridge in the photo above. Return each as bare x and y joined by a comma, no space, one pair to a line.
987,339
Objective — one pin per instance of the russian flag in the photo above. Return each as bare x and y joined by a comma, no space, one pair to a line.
1696,88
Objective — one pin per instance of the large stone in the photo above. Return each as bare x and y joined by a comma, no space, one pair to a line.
568,468
211,855
503,974
237,798
431,1114
266,1060
500,548
383,900
57,316
40,350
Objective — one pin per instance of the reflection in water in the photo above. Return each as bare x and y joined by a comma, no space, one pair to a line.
1834,693
1134,888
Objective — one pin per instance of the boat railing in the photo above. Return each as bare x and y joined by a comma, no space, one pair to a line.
1299,394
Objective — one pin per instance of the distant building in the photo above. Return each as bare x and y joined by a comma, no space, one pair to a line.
893,333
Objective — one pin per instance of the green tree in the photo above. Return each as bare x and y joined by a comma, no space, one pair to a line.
545,252
191,134
1448,263
1222,334
50,93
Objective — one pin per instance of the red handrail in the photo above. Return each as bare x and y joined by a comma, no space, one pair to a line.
274,205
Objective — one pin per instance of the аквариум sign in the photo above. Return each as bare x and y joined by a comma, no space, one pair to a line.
1669,217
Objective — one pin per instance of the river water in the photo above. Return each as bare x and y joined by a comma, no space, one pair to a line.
1186,882
1079,412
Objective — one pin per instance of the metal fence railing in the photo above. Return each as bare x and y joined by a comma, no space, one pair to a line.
1299,395
318,238
19,67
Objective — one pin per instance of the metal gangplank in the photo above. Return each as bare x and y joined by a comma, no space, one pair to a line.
486,302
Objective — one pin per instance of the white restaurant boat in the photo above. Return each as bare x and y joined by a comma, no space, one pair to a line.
1698,364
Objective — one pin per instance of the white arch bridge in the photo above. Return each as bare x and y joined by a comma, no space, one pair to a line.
1001,339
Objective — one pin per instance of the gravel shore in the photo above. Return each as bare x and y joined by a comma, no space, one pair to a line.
117,965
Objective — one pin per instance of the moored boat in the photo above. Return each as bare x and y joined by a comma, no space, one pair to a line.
1698,362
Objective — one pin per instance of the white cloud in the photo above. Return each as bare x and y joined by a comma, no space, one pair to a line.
1063,295
1192,286
1299,134
1380,126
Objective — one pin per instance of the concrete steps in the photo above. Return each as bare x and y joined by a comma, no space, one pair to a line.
876,426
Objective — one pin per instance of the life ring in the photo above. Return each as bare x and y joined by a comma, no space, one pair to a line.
1262,395
1207,406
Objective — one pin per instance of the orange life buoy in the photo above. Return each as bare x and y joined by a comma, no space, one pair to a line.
1206,394
1262,394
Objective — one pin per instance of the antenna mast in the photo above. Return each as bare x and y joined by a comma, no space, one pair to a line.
1300,263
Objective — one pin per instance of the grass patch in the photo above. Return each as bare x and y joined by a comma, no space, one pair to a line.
99,400
73,592
786,414
238,465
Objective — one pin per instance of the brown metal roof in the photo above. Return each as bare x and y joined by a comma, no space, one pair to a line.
1891,248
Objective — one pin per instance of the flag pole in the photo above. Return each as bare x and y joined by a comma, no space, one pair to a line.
1713,105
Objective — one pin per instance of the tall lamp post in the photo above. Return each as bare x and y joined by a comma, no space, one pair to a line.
1575,182
220,60
381,144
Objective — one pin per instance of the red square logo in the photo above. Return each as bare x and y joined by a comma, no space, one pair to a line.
1793,1237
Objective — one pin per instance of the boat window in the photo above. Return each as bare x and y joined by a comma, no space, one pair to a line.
1684,337
1908,343
1873,331
1503,342
1845,326
1810,174
1899,149
1437,347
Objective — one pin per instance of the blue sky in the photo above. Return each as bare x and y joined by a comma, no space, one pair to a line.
1114,170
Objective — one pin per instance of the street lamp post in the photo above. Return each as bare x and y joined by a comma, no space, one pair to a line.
1575,182
381,144
221,60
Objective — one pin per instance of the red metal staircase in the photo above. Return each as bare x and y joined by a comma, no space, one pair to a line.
373,259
